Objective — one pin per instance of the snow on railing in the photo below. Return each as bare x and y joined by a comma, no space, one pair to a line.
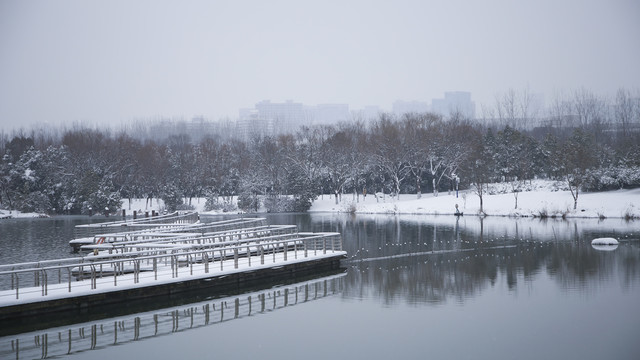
118,241
87,230
133,230
154,262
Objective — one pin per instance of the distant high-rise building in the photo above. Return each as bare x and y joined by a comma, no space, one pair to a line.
251,123
288,116
455,103
285,116
331,113
402,107
369,112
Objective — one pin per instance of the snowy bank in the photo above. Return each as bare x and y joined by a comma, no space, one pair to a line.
14,214
538,203
540,199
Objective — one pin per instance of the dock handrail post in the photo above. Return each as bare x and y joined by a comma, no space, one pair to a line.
69,277
155,268
17,285
94,284
285,247
174,265
324,245
261,255
235,257
136,271
44,282
249,255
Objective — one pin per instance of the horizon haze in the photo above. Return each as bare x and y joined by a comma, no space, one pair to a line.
110,62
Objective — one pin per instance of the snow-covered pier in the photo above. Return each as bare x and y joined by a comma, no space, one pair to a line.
84,233
153,263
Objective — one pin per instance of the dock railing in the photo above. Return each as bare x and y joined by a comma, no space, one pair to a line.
171,263
87,230
131,231
123,241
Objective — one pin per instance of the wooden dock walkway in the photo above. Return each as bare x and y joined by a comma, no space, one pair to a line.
153,262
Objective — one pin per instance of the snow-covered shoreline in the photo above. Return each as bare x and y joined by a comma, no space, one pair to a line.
542,201
13,214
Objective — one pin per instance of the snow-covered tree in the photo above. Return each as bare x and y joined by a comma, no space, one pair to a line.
392,154
578,159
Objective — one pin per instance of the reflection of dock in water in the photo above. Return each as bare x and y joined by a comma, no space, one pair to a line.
121,330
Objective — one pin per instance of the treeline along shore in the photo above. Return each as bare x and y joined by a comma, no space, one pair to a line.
588,143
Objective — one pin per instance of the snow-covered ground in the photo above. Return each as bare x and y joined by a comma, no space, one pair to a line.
539,197
610,204
12,214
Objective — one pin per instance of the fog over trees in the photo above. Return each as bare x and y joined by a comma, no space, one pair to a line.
589,142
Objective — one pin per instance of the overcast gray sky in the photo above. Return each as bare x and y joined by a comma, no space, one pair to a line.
112,61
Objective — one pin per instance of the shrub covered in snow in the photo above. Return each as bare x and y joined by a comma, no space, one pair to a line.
613,177
248,202
217,203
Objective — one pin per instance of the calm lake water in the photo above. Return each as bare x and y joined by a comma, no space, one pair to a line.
413,287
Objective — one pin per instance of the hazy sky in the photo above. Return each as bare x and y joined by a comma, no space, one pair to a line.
112,61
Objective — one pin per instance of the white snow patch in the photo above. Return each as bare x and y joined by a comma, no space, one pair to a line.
604,241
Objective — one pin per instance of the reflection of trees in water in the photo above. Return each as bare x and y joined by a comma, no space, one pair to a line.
417,262
577,265
436,277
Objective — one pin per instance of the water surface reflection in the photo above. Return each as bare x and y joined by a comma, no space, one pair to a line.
415,287
96,335
431,259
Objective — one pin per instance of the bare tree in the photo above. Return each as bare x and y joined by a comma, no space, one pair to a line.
337,148
421,143
626,110
392,154
579,158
